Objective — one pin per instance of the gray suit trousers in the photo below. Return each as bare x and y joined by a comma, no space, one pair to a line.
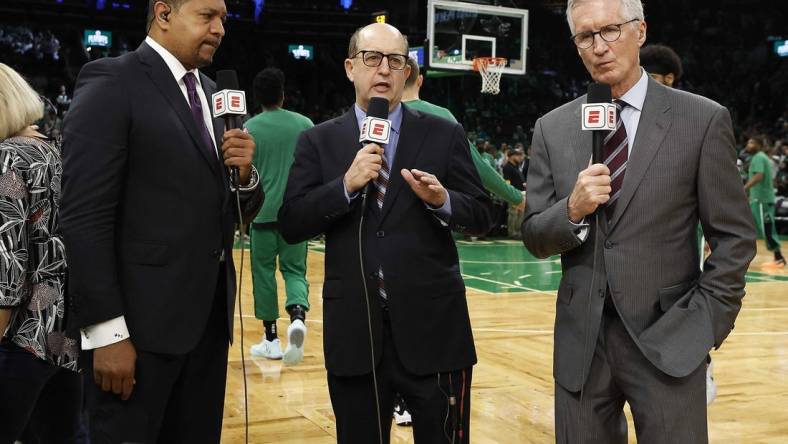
666,410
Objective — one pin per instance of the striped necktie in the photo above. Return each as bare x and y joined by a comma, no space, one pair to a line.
616,155
381,183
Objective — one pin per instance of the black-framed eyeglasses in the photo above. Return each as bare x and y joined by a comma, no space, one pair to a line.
373,59
609,33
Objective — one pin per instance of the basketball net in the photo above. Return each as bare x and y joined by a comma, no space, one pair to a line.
490,68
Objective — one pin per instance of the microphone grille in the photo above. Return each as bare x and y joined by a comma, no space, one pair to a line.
226,79
599,93
378,107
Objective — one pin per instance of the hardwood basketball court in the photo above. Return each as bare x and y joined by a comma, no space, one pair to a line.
511,296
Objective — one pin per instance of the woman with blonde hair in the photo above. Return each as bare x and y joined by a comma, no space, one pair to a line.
39,384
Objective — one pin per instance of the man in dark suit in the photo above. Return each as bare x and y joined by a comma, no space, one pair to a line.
424,186
635,316
148,218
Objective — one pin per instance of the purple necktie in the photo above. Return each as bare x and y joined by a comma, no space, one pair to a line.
196,106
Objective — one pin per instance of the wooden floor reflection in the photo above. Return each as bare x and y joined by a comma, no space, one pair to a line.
513,386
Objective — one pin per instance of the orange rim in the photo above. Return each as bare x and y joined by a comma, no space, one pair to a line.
484,61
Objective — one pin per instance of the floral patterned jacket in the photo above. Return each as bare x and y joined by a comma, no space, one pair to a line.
32,254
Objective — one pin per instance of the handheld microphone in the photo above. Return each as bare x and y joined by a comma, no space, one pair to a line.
375,128
599,116
230,103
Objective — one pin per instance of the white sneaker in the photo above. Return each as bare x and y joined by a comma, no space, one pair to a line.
402,415
711,387
296,335
268,349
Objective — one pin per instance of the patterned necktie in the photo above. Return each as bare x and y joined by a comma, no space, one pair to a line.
196,107
381,183
616,154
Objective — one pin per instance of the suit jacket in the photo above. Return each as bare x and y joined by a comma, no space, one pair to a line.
681,170
427,306
146,212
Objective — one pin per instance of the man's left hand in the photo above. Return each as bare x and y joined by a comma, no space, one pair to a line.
238,150
426,186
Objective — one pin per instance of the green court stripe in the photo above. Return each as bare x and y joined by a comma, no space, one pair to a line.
508,262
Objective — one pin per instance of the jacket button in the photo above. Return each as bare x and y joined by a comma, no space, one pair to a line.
608,244
380,233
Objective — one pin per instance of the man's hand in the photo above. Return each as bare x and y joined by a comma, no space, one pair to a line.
365,167
521,206
238,150
426,186
113,368
592,189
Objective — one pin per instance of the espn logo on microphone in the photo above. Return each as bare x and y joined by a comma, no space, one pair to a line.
228,101
599,116
375,130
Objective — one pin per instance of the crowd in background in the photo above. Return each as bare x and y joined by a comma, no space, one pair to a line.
737,69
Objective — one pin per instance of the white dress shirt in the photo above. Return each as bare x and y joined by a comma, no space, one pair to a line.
115,330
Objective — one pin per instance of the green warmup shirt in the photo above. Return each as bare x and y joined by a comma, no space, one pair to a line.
763,191
275,133
487,157
491,180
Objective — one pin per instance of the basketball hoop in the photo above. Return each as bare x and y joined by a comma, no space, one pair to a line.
490,69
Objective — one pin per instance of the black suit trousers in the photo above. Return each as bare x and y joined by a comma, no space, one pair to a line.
440,404
176,398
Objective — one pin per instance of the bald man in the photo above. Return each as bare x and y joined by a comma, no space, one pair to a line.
396,317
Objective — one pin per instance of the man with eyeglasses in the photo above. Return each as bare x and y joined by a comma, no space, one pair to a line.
424,185
635,316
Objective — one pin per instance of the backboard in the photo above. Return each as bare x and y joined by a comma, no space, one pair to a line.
459,31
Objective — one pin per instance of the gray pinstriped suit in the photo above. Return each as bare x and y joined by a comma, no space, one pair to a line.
682,168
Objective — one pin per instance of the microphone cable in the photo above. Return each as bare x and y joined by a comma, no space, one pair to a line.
597,93
588,322
369,313
242,229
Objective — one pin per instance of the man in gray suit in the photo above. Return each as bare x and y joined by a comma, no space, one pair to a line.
635,316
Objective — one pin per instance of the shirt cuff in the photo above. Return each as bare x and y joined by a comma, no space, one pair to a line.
443,214
349,197
581,229
104,333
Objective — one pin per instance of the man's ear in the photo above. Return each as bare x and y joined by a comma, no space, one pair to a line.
349,69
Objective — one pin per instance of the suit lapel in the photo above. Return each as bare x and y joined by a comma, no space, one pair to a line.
655,121
411,136
162,77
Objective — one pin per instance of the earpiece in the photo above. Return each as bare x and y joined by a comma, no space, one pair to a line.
165,16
